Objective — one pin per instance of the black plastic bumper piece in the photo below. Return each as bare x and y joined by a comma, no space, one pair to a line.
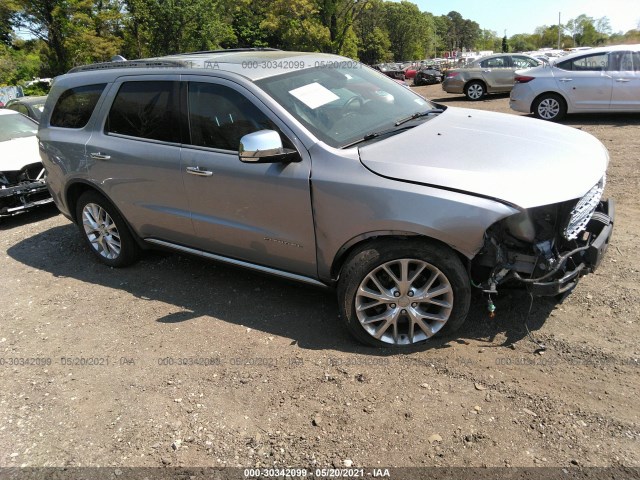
602,226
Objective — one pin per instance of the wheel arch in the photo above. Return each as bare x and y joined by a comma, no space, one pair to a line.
549,92
475,80
75,190
360,241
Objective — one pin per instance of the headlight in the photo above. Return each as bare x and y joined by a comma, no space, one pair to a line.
583,211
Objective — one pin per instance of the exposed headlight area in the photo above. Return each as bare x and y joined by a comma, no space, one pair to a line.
547,248
583,211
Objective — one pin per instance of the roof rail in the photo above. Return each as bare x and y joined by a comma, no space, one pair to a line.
227,50
130,64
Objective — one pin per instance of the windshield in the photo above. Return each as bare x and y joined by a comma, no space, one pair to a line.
16,126
342,105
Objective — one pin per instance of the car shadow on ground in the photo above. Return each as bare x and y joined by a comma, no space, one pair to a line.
305,314
608,119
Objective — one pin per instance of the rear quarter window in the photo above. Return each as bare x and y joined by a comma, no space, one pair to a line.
75,106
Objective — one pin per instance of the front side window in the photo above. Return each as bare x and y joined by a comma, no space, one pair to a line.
146,110
75,106
220,116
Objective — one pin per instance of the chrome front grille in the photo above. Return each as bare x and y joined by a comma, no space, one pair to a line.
583,211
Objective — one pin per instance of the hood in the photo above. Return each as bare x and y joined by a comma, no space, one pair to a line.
18,152
519,160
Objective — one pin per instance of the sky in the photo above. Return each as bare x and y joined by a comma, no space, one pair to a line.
522,16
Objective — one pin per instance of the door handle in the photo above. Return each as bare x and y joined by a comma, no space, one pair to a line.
486,71
99,156
622,80
200,173
566,79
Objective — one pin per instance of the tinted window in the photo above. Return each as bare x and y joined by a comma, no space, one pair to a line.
589,63
19,108
219,116
146,110
75,106
498,62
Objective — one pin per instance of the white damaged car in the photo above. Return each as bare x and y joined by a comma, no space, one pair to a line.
22,176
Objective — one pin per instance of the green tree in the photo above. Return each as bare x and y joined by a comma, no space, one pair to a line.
505,44
296,25
408,30
372,36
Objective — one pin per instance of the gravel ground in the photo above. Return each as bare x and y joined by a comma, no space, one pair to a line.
269,377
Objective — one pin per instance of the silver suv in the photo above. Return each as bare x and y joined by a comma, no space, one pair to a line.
319,169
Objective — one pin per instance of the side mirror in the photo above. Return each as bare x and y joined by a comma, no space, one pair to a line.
265,146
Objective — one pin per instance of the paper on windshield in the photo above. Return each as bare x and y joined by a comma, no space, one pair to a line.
314,95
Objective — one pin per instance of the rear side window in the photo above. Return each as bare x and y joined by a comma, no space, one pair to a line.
589,63
148,110
75,106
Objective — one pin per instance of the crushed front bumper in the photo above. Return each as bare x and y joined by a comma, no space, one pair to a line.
23,196
587,260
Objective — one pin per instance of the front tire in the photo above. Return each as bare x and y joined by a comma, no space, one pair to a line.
105,231
475,91
399,293
550,107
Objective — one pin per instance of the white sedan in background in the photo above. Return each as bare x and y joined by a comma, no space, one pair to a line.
605,79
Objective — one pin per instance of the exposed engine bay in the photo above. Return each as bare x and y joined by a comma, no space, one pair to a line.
546,248
23,189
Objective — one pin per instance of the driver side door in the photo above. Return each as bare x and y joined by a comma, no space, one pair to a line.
255,212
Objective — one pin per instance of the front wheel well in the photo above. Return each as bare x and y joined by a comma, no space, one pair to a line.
352,248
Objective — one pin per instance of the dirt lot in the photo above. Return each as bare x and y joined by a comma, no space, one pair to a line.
272,378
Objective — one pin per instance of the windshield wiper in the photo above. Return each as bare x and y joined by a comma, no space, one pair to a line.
371,136
418,115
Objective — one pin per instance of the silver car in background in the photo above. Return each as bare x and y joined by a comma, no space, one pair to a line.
294,164
604,79
490,74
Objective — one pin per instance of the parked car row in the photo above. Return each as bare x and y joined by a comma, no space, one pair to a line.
585,81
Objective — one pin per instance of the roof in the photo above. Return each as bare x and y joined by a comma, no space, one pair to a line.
596,50
251,63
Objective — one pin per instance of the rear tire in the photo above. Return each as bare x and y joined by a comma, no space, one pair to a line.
475,91
550,106
399,293
105,231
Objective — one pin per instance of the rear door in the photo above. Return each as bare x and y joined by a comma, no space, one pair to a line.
258,213
134,156
497,73
585,82
625,72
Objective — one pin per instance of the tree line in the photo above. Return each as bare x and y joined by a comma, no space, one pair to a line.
44,38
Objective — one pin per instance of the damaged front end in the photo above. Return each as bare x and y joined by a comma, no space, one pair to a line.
22,190
546,248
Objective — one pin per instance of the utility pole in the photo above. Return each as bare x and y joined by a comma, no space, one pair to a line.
559,29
